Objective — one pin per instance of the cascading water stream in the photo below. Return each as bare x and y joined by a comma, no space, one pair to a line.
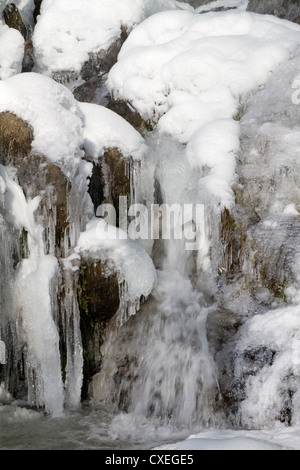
165,371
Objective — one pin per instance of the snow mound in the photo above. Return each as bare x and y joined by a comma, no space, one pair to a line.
62,39
125,256
11,51
64,128
226,440
53,113
104,129
193,73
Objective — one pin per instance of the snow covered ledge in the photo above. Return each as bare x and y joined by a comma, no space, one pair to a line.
123,256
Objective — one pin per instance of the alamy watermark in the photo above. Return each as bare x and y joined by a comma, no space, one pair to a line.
139,222
296,93
2,353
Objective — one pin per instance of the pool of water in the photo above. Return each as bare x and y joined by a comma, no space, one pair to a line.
91,428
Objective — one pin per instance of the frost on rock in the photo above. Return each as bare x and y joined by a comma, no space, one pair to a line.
62,40
266,353
268,365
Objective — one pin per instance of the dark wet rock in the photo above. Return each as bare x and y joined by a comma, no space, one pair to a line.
221,327
287,9
127,112
196,3
110,179
28,59
92,91
217,10
101,62
96,186
98,298
232,239
235,369
259,356
37,9
115,178
13,19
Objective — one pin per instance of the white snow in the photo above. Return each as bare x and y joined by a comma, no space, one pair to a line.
125,256
53,113
227,440
62,39
191,73
104,129
11,51
19,211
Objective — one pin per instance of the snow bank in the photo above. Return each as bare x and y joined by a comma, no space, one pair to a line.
104,129
62,39
199,54
53,113
125,256
11,51
62,126
192,73
225,440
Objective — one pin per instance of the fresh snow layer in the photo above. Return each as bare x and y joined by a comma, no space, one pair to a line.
193,73
104,129
123,255
64,127
227,440
11,51
53,113
63,40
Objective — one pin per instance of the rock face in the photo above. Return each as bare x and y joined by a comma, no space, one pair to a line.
196,3
92,91
13,19
28,59
287,9
36,176
37,9
85,283
99,301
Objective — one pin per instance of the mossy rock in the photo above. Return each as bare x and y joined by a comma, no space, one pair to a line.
98,298
115,178
16,137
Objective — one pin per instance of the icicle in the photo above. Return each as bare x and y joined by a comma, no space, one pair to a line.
72,337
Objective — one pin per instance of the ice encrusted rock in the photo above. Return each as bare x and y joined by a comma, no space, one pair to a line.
287,9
